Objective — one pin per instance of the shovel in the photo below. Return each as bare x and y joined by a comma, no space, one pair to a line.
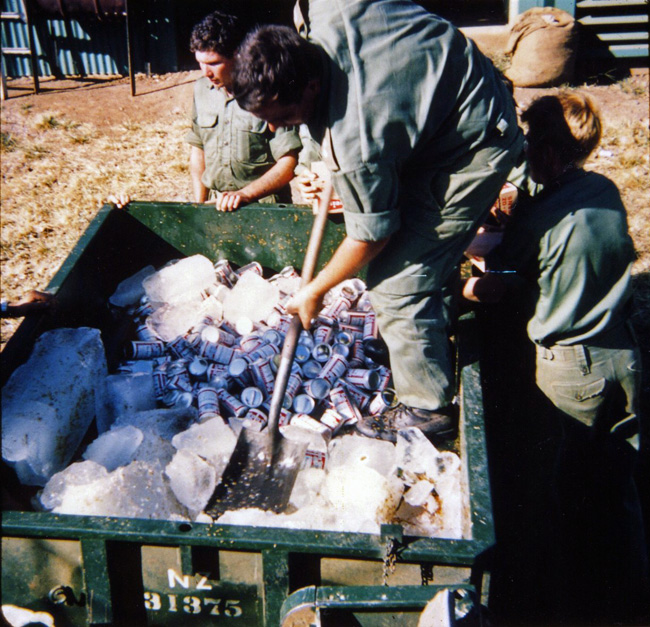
263,467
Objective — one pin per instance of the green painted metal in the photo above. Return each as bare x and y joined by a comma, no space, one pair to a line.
117,244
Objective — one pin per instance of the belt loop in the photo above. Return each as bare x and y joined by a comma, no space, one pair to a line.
545,353
582,358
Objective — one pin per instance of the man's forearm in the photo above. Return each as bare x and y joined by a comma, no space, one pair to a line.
274,179
197,167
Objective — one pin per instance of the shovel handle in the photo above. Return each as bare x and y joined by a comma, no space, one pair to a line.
291,338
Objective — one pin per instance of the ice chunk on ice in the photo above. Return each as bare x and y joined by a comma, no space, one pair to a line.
49,402
359,494
130,291
213,440
355,450
307,486
416,455
115,448
133,491
77,474
252,297
124,394
164,423
180,281
171,320
418,493
192,479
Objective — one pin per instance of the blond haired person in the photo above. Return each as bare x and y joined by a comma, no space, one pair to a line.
572,243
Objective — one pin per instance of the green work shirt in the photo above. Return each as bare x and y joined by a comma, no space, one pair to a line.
572,240
238,147
408,96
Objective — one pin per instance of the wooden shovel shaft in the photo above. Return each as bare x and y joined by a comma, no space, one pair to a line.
291,338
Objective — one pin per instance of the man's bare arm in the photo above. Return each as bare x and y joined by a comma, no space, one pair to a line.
269,183
197,167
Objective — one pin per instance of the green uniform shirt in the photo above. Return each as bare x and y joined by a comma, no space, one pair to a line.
238,147
573,241
408,96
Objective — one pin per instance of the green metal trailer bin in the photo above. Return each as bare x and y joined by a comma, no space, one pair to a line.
86,570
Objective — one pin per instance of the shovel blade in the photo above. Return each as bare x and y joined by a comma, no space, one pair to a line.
260,474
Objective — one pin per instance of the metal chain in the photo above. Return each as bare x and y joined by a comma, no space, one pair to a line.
390,559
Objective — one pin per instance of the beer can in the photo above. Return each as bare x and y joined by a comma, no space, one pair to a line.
145,334
317,388
354,318
359,397
263,376
281,324
144,349
385,377
325,320
144,310
238,370
304,404
264,351
251,342
321,352
344,404
339,304
207,399
370,330
253,266
231,405
159,382
252,396
273,336
198,368
224,273
215,335
218,353
306,339
179,381
314,459
257,419
341,349
345,338
334,369
381,401
354,332
294,383
302,354
311,369
177,398
365,378
333,420
323,334
285,416
180,348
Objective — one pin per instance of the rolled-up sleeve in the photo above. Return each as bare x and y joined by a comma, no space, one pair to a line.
193,137
369,195
287,139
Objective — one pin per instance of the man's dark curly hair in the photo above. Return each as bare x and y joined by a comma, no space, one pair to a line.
273,64
217,32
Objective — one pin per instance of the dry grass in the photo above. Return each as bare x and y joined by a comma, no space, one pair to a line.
56,174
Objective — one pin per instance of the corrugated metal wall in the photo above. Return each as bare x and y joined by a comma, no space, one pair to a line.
87,45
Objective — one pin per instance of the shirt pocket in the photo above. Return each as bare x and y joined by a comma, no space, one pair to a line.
253,147
207,119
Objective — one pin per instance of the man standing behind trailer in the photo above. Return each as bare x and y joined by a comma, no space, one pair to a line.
234,155
420,133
